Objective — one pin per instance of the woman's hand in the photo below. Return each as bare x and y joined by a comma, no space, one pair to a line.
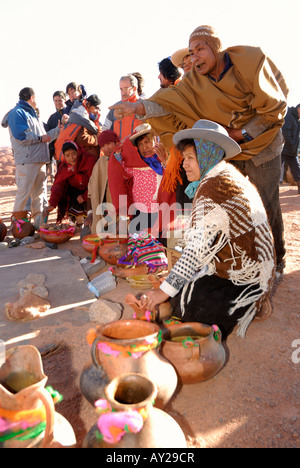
48,209
161,153
80,199
154,298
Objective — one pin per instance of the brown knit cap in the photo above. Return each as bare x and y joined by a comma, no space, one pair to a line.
208,34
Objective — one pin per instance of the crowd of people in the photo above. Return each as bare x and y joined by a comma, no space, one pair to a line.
210,139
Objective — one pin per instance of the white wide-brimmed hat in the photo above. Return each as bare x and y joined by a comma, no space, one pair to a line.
139,131
211,131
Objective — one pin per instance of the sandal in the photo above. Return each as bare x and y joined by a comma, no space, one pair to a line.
265,311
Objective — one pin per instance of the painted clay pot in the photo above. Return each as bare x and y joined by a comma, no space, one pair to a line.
162,312
194,349
91,242
3,230
56,236
28,417
112,249
21,225
129,419
126,346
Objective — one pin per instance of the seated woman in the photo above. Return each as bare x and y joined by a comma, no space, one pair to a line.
69,191
136,173
227,266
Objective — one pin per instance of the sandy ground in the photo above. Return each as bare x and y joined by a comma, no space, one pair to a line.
253,402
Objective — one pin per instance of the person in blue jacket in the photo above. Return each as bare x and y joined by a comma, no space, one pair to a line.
30,145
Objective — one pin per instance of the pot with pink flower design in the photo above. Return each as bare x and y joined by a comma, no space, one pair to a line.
127,418
127,346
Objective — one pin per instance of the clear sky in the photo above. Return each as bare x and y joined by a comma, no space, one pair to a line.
47,44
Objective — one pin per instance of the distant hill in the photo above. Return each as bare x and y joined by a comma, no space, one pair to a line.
7,166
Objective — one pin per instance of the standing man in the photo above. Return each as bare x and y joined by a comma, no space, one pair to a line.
59,100
291,130
30,144
241,89
129,93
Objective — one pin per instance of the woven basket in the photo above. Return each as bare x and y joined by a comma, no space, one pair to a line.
57,236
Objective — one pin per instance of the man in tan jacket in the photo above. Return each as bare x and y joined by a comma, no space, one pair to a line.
239,88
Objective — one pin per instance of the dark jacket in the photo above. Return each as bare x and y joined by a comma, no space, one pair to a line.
291,130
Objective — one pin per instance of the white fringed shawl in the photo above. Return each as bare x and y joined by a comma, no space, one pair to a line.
229,236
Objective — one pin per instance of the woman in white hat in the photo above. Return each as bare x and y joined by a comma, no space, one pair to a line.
227,266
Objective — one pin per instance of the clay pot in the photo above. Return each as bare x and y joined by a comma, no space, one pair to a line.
163,311
21,225
3,230
126,346
91,242
132,421
22,389
112,249
56,236
194,349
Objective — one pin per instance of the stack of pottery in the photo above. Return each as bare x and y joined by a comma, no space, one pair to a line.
129,420
127,346
27,415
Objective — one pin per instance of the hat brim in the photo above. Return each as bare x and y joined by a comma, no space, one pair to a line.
178,56
141,133
230,146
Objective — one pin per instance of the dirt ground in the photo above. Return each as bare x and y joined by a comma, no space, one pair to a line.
253,402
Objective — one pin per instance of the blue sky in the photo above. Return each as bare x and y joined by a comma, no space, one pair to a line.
46,45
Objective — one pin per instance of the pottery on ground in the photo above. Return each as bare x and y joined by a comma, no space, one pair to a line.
112,249
21,225
129,420
56,234
28,417
126,346
162,312
3,230
195,350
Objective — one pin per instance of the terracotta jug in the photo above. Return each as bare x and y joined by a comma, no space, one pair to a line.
126,346
162,312
194,349
129,420
27,415
21,225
